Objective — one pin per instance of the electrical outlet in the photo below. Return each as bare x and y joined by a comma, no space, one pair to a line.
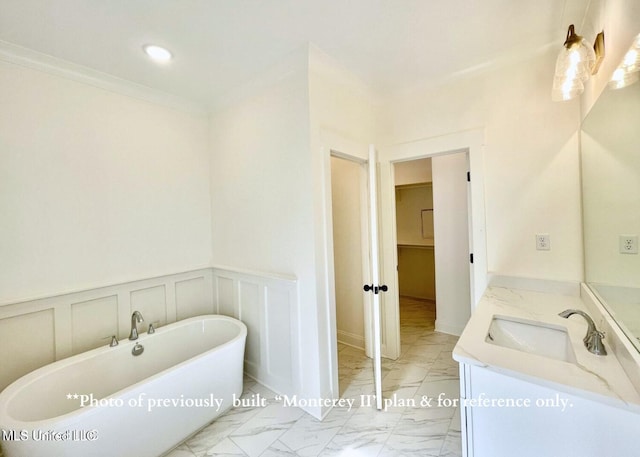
628,244
543,242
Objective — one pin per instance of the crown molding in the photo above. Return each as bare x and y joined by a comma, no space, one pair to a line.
29,58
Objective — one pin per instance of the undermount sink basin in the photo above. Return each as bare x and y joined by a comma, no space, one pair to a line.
532,337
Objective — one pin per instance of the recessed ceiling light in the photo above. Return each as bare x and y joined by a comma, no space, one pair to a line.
157,53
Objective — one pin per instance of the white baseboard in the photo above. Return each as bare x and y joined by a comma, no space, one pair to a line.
449,328
351,339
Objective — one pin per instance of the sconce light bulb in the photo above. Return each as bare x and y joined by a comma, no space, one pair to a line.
574,57
630,58
623,78
618,75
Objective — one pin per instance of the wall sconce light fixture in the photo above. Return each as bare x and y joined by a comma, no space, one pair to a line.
575,64
628,71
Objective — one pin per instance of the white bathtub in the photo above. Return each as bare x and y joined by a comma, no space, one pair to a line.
140,406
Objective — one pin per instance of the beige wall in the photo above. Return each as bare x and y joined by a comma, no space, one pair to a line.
412,172
346,190
416,272
416,268
410,202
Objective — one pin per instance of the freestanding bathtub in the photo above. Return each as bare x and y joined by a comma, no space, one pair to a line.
108,402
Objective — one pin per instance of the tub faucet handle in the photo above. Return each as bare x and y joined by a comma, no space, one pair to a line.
114,340
151,328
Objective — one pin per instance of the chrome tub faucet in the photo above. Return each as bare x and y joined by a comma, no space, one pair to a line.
593,338
136,318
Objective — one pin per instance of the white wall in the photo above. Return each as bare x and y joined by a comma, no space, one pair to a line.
530,159
95,187
262,193
260,186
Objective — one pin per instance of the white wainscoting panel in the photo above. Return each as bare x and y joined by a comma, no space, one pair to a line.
279,330
251,312
68,324
224,297
27,342
37,332
152,304
91,318
189,300
268,305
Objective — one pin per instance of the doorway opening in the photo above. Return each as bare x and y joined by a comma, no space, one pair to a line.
433,233
415,242
350,265
403,379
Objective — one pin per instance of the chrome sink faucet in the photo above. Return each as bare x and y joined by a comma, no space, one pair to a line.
593,338
136,318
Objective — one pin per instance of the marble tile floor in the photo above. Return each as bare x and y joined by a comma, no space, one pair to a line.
414,424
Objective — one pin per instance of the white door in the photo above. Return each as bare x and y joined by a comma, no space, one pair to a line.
374,287
451,234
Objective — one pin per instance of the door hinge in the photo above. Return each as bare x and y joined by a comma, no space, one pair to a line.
468,176
471,257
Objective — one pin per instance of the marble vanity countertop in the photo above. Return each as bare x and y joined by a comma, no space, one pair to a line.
599,378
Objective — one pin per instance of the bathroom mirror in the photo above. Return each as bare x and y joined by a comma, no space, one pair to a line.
610,148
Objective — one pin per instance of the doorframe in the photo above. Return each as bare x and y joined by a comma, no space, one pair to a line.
471,141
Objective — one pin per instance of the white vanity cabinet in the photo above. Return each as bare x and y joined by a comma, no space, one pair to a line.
504,416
